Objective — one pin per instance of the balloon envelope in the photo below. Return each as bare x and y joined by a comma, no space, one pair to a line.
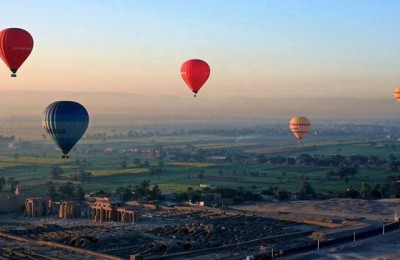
15,46
195,73
66,122
299,126
396,93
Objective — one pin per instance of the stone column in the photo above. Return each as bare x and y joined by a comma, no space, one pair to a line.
97,215
101,215
61,211
27,208
34,209
50,207
30,209
112,212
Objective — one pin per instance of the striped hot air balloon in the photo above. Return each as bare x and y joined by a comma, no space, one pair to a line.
66,122
396,93
299,126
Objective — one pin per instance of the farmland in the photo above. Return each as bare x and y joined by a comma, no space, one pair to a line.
253,176
177,160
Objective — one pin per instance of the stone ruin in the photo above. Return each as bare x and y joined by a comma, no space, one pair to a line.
69,210
38,207
106,209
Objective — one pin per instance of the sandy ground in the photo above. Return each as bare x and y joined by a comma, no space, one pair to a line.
330,218
375,210
386,246
350,213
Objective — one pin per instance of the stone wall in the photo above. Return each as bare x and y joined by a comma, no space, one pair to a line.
38,207
69,210
12,204
104,211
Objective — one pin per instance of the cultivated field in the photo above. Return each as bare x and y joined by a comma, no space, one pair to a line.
32,163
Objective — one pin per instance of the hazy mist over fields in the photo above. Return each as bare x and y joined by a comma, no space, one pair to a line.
134,109
21,111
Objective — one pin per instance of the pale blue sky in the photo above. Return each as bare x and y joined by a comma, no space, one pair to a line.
254,48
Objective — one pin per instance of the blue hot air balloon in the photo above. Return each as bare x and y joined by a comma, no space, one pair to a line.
66,122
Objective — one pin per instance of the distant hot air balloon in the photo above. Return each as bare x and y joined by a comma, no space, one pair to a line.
66,122
396,93
15,46
195,73
299,126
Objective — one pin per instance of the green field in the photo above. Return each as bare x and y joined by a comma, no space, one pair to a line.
31,166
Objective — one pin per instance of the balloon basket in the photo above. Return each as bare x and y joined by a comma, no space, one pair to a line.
65,156
13,75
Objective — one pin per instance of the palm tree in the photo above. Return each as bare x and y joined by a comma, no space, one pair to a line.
13,183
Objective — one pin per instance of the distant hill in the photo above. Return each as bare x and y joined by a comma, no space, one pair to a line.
128,107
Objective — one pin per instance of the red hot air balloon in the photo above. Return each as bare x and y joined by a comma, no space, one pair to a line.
15,46
195,73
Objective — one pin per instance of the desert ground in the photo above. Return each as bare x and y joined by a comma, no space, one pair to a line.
340,217
213,233
381,247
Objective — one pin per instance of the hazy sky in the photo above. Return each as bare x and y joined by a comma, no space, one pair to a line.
281,48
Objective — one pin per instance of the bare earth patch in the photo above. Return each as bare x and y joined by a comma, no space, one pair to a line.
340,217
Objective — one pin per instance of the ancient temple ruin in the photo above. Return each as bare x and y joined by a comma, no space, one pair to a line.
38,207
108,209
69,210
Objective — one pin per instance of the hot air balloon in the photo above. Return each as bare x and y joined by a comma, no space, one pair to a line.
195,73
15,46
299,126
396,93
66,122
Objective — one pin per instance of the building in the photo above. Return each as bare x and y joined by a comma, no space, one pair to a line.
38,207
13,203
69,210
106,209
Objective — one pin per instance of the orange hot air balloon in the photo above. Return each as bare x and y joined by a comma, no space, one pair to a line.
396,93
299,126
15,46
195,73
